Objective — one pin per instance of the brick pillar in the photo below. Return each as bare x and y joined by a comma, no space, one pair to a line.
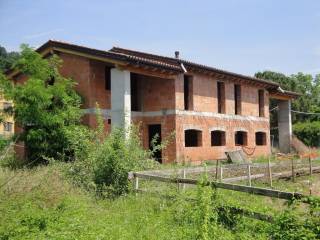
120,98
179,92
284,125
179,105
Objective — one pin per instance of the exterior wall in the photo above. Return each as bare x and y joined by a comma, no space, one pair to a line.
98,92
167,130
162,102
230,126
204,116
156,93
205,96
90,78
78,68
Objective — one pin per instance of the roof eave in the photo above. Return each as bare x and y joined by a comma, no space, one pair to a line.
284,94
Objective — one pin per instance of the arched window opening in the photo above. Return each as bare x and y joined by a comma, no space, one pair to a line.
241,138
261,138
218,138
192,138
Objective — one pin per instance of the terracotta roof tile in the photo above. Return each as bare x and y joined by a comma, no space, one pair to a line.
178,61
143,58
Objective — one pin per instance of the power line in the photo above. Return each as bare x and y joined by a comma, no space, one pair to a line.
305,113
275,108
294,111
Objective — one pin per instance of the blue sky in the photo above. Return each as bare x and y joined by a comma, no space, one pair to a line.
243,36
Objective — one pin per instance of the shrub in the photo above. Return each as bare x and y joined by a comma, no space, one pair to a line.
4,142
44,106
308,132
288,226
102,163
115,158
199,216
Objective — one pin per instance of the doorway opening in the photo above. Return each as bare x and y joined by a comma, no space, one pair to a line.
154,131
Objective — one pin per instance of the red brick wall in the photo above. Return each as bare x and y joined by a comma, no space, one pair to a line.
157,93
78,68
205,100
205,96
90,78
167,131
98,92
204,93
208,152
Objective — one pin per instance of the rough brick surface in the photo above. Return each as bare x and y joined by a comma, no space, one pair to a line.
208,152
158,94
167,131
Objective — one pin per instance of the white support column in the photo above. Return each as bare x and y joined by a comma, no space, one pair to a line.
284,125
120,98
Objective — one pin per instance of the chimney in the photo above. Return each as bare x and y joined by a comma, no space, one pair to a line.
176,53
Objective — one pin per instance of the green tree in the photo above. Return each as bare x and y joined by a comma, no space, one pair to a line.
7,59
45,106
305,84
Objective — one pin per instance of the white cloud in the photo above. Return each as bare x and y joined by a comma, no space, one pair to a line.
42,34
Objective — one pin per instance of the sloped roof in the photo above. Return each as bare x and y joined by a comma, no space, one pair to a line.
138,58
148,59
130,58
188,64
283,94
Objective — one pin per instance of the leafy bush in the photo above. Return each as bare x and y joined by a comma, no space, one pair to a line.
115,158
102,162
4,142
198,216
44,106
308,132
288,226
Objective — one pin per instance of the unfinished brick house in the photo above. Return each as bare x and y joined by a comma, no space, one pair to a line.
211,111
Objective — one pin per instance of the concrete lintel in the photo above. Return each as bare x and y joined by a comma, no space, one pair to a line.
239,129
217,129
191,126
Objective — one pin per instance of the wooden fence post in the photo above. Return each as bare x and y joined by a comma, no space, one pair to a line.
217,168
310,187
292,168
221,173
136,184
184,177
269,172
310,166
249,174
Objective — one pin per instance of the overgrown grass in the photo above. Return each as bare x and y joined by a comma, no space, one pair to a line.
41,203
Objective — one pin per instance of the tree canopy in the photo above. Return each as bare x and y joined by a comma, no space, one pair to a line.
45,106
306,126
7,59
305,84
